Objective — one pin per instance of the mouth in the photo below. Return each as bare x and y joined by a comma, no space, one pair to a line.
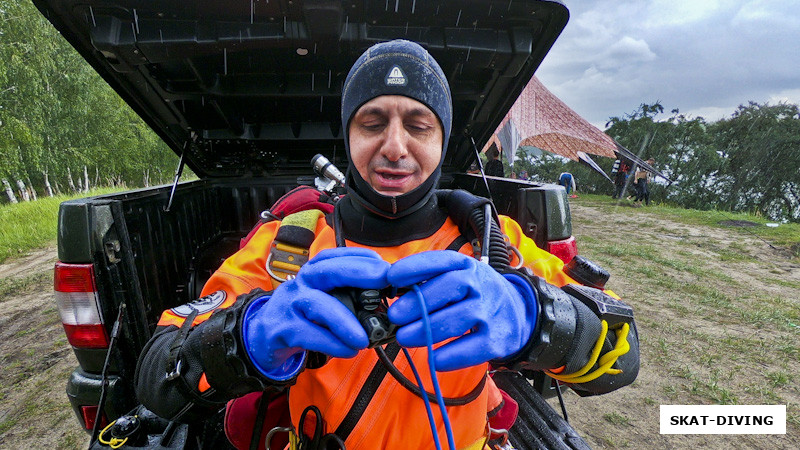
393,176
391,181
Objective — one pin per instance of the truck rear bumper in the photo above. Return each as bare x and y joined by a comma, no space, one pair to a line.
83,391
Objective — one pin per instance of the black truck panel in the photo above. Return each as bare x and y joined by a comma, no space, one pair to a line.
152,259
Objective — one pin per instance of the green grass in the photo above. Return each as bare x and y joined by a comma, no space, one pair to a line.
616,419
779,378
712,328
13,285
7,424
786,235
31,225
784,283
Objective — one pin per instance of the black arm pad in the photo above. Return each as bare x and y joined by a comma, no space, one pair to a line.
223,357
628,363
227,367
567,330
170,398
213,348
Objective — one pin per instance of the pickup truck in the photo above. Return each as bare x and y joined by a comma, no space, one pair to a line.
246,93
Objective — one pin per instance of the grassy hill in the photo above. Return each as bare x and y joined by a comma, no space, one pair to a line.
717,303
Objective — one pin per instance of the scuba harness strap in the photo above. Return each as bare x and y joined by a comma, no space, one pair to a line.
258,425
365,395
289,249
414,389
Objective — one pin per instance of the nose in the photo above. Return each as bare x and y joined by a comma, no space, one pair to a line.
395,145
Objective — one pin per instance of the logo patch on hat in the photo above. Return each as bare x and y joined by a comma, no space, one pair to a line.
396,77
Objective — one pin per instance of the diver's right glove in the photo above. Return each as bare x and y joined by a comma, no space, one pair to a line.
301,315
490,315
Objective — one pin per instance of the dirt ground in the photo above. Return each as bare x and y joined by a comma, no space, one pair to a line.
629,418
35,359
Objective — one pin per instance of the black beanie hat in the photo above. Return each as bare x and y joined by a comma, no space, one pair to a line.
404,68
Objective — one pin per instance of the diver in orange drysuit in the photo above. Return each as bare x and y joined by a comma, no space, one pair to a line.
392,229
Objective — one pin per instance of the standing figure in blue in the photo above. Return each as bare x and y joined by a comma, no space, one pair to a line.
568,181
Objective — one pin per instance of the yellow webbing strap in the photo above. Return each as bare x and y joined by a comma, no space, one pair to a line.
306,219
285,259
605,362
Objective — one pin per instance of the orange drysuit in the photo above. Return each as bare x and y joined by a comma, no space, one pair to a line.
394,417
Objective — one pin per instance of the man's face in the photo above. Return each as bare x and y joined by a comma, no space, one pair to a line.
395,143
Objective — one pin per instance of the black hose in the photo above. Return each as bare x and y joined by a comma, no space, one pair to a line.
499,258
115,330
414,389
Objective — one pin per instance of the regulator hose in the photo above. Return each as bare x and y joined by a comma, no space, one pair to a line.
499,258
473,214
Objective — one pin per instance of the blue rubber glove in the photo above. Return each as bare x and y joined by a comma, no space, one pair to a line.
301,316
462,294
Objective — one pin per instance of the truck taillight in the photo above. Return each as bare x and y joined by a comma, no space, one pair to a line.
565,249
76,296
89,415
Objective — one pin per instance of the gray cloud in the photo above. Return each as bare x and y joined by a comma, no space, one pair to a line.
705,58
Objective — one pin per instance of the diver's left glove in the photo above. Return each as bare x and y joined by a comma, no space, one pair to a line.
462,295
301,315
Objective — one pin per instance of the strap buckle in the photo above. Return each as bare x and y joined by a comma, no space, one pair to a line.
286,260
498,439
174,364
276,430
175,372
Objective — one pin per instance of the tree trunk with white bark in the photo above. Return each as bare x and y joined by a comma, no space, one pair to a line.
48,190
9,192
23,191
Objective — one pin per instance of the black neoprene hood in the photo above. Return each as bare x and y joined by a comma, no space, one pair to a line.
398,67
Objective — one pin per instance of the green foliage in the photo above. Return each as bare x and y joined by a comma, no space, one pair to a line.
543,169
58,118
746,163
760,144
680,147
31,225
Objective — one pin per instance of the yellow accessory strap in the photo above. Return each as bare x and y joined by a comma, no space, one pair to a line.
606,361
113,442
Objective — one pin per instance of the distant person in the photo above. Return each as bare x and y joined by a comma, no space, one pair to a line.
568,181
622,169
642,179
494,167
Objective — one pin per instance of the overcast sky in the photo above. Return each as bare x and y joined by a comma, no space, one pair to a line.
704,57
